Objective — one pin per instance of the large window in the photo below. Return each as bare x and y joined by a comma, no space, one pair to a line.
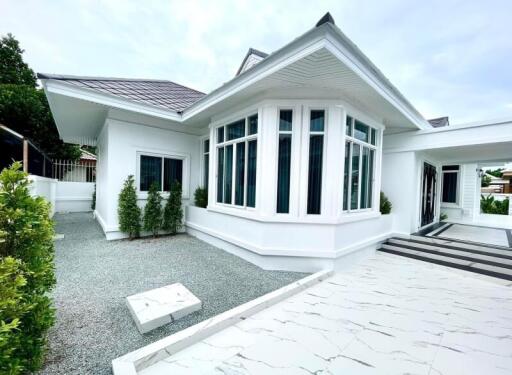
316,150
206,163
359,165
160,170
236,162
284,161
450,183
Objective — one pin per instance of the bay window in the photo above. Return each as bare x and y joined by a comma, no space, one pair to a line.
284,161
316,149
160,170
359,165
236,162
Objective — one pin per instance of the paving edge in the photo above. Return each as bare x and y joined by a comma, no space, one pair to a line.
133,362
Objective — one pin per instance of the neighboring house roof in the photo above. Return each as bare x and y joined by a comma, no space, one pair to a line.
496,180
86,155
439,122
160,93
252,57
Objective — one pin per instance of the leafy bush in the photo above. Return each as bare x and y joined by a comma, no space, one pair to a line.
173,212
486,181
128,211
201,197
93,202
489,205
443,216
385,204
153,211
26,274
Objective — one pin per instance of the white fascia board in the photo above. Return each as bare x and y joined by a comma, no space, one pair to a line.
109,100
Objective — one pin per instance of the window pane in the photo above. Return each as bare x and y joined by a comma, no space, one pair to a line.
361,131
220,134
348,128
150,172
251,173
206,146
173,172
354,189
370,179
240,173
253,124
346,176
450,187
283,173
316,143
236,130
228,174
220,174
364,177
374,137
206,171
316,122
285,120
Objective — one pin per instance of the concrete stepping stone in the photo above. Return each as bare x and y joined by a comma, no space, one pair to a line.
156,307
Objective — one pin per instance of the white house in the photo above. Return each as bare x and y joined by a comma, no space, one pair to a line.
294,150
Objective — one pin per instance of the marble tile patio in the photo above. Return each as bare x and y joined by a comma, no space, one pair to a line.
388,315
491,236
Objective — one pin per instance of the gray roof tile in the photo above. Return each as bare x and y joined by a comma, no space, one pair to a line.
159,93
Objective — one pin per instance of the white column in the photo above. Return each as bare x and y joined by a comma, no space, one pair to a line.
266,173
332,179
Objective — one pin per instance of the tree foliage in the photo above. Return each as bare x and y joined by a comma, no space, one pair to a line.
496,172
23,107
27,273
486,181
385,204
153,211
201,197
128,211
489,205
173,212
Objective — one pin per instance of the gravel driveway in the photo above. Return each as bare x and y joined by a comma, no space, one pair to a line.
94,276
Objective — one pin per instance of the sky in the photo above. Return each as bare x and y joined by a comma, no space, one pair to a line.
449,58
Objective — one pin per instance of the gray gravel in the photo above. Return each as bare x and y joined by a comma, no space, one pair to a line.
94,276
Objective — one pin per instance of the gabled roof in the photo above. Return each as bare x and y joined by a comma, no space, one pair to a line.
439,122
254,54
160,93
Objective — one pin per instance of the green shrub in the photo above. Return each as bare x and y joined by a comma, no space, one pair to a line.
489,205
385,204
486,181
201,197
93,202
153,211
128,211
173,212
26,235
443,216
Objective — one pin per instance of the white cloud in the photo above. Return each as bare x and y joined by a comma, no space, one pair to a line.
447,57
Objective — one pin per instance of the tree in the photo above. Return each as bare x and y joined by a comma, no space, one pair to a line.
128,211
173,212
153,210
24,108
486,181
201,197
385,204
12,67
496,172
26,235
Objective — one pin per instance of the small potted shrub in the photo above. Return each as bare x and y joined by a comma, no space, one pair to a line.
201,197
385,204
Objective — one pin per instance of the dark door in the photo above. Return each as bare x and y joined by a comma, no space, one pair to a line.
428,200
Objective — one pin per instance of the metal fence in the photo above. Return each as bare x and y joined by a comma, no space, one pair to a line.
74,171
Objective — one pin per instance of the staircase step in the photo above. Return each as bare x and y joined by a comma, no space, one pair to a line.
486,269
498,252
471,255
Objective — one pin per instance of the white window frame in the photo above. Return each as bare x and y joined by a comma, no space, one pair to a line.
245,139
185,158
292,149
457,196
352,140
203,154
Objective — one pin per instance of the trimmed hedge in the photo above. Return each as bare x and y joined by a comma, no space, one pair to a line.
26,274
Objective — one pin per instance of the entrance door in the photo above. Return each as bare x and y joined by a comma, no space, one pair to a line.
428,201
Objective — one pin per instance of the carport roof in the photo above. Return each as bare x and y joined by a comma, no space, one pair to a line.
160,93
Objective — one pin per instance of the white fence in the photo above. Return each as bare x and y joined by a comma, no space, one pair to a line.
44,187
71,171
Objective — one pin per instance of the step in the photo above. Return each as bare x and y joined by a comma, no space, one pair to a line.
448,261
459,243
474,255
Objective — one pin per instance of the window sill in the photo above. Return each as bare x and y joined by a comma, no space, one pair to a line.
284,218
144,196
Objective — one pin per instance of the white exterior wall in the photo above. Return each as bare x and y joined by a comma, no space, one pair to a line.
123,141
102,180
73,196
44,187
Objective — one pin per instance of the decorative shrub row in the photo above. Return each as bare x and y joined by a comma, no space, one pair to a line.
156,218
489,205
26,274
